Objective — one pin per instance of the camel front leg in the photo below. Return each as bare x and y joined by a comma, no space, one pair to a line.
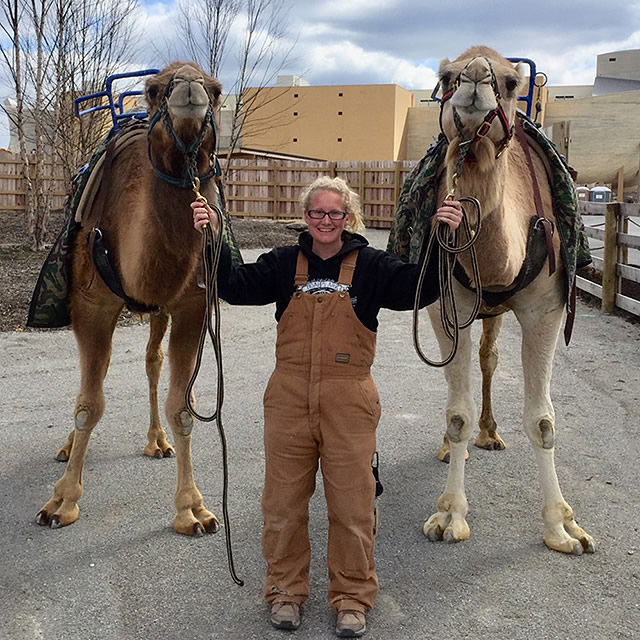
157,444
449,522
192,517
93,327
539,336
488,438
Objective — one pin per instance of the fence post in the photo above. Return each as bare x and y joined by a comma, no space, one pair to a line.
610,256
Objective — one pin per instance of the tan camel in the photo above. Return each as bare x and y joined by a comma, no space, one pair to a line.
482,86
143,213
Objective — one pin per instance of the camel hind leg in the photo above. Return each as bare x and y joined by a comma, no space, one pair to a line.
93,327
488,438
561,532
192,517
157,446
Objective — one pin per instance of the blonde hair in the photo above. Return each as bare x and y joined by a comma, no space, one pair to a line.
351,199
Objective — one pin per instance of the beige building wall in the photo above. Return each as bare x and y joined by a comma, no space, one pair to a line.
604,134
619,64
336,123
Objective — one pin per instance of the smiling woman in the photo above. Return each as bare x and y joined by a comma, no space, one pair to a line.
321,404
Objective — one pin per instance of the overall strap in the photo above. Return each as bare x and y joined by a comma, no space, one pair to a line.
302,269
347,268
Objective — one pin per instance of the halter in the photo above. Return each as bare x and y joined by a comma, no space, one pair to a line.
485,126
189,152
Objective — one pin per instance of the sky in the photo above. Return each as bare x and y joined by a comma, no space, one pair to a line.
403,41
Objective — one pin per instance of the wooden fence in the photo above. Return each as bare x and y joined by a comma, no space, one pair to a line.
619,277
264,188
272,188
12,191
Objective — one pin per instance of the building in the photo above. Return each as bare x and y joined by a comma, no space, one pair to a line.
596,126
338,122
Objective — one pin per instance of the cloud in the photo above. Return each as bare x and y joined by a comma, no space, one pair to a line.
346,63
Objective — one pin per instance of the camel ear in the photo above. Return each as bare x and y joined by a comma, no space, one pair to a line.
445,62
521,70
215,89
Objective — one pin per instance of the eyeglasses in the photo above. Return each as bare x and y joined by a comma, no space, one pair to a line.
334,214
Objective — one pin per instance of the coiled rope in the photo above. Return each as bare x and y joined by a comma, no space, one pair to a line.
449,246
211,250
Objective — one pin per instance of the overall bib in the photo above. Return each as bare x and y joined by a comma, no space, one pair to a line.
321,404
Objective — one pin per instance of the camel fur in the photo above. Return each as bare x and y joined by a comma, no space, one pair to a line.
147,222
481,79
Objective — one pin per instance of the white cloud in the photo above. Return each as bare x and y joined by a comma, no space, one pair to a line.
346,59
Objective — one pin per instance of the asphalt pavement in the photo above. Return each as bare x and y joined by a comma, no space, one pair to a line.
121,573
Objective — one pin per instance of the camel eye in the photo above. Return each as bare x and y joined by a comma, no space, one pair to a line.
445,80
152,92
511,84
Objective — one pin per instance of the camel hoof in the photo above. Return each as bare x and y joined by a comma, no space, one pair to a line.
443,456
490,442
169,453
158,454
62,456
433,533
213,526
449,537
198,530
55,523
42,518
588,544
577,549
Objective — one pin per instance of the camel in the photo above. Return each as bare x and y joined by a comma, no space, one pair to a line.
142,213
485,160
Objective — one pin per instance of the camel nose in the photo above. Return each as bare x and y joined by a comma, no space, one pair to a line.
478,72
189,74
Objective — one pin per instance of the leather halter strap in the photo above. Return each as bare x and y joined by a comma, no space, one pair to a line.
485,126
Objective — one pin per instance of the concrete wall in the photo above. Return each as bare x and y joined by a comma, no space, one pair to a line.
619,64
604,135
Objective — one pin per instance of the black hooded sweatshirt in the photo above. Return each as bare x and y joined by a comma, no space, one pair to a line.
380,280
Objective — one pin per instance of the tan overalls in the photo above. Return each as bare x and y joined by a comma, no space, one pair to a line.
321,403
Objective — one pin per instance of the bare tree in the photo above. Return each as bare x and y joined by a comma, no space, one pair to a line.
259,52
59,49
13,11
206,38
92,40
260,60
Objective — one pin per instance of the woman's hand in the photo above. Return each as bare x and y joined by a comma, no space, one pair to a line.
450,212
203,215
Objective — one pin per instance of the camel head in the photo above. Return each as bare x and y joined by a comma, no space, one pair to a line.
480,92
182,100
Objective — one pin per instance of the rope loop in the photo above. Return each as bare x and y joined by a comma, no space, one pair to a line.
449,246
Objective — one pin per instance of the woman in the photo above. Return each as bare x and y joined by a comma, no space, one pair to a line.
321,403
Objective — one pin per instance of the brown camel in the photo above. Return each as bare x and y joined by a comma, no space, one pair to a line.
486,161
143,214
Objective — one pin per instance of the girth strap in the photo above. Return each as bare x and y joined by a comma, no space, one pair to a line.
533,261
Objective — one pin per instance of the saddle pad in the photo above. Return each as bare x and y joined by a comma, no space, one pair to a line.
49,307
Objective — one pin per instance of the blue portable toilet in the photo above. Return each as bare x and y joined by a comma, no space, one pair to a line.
600,194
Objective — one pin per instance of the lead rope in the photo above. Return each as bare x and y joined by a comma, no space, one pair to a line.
449,247
211,250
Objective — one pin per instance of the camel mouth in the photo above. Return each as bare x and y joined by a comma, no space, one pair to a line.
188,111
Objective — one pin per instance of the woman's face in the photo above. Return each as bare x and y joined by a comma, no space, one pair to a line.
326,232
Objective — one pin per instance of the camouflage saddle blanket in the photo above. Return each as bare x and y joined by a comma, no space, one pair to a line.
418,202
49,306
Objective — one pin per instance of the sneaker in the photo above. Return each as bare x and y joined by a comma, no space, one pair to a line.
285,615
350,624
